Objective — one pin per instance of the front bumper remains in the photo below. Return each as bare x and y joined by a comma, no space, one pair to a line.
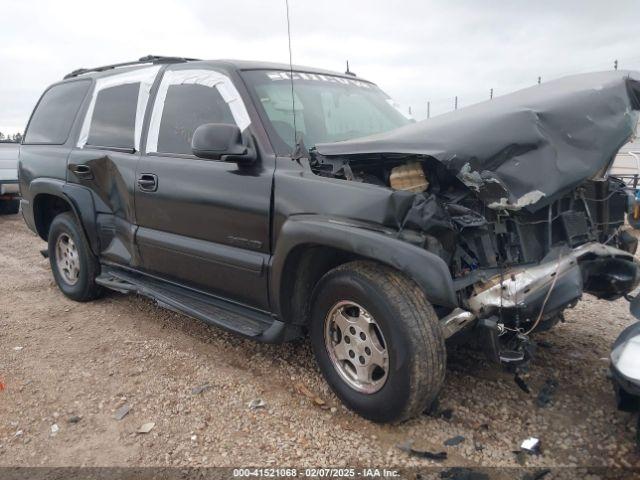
559,280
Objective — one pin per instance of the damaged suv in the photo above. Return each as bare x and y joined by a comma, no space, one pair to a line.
278,201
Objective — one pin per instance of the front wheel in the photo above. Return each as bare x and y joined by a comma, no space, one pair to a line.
377,341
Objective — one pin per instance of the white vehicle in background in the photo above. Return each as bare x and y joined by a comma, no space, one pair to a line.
9,192
626,166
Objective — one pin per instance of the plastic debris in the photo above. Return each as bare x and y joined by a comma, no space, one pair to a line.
54,429
537,475
74,418
2,385
453,441
146,427
257,403
122,412
199,389
407,447
17,349
446,414
522,384
531,445
545,396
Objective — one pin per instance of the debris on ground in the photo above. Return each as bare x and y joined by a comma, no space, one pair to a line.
446,414
54,429
303,390
522,384
461,473
531,445
74,418
199,389
537,475
122,412
146,427
545,396
17,349
453,441
435,411
408,448
257,403
2,385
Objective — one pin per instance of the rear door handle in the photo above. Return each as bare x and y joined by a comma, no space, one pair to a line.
81,170
148,182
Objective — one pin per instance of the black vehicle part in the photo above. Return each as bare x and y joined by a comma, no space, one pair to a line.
409,326
9,206
428,270
85,287
609,278
153,59
214,311
508,150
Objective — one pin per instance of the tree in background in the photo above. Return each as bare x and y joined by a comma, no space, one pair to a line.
15,138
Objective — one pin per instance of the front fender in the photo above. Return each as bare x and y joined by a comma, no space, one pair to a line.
428,270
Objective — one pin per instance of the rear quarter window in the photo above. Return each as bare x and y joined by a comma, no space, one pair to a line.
53,117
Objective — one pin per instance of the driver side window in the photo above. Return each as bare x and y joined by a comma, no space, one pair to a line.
186,108
187,99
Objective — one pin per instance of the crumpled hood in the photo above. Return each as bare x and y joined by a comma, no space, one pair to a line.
524,149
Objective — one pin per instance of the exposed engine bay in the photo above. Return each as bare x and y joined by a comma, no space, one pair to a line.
520,206
518,268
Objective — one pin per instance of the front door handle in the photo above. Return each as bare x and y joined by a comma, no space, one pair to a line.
81,170
148,182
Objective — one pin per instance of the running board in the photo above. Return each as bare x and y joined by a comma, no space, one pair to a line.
214,311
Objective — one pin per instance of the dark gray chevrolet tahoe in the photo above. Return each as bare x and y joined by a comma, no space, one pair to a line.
278,201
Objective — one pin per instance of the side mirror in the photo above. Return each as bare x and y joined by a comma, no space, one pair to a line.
221,141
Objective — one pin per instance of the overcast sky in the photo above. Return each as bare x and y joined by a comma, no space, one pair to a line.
416,50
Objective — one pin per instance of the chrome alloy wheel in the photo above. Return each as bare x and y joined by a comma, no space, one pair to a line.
356,347
67,259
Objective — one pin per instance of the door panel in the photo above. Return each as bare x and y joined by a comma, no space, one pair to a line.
111,180
203,223
207,225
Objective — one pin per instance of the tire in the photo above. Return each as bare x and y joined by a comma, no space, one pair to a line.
9,207
85,264
410,335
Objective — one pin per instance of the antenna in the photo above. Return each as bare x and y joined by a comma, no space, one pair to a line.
349,72
293,98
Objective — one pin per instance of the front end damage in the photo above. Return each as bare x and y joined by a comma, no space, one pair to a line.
514,196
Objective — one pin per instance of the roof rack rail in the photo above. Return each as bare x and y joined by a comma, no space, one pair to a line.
155,59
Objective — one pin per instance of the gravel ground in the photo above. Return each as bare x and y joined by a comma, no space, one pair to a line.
67,367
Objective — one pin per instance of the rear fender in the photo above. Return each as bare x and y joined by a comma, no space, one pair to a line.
78,197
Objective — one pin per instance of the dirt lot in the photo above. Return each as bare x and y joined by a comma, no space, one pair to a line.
62,362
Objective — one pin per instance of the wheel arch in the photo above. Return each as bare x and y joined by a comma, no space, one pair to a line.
309,246
51,197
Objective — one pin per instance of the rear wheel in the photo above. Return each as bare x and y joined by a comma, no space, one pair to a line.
377,341
73,264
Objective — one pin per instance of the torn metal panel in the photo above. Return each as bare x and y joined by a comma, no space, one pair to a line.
523,150
557,281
